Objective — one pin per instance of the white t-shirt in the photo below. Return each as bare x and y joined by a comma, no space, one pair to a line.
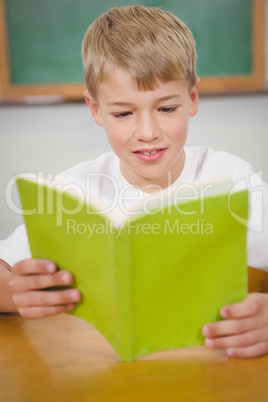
102,179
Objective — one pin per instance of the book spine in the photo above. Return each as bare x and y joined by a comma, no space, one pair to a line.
123,292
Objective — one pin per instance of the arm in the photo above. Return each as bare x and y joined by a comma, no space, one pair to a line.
22,289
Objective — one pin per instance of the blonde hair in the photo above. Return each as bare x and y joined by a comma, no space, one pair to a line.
151,44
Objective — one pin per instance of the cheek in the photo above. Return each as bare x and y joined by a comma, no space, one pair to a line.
116,136
178,131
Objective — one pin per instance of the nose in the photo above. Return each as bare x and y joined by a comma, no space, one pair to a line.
147,129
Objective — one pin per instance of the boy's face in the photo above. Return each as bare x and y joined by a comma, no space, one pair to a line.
146,129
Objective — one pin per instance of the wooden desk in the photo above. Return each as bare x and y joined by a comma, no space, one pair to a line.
63,358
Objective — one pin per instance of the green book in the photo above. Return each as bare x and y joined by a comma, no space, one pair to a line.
151,282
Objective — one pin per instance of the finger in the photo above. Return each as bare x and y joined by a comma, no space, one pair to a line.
20,284
257,350
231,327
237,341
32,266
46,298
246,308
39,312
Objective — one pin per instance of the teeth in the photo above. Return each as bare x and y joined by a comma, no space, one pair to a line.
149,153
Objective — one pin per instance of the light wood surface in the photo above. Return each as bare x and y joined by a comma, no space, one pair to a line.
257,281
63,358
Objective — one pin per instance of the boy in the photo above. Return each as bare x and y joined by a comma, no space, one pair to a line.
139,66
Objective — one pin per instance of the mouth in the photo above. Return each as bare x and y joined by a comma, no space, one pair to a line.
150,155
149,151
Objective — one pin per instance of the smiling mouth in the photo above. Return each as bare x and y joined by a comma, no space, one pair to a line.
147,156
150,152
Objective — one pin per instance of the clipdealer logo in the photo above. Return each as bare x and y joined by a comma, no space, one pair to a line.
255,185
123,201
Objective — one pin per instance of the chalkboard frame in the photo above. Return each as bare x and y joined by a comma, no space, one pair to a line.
215,84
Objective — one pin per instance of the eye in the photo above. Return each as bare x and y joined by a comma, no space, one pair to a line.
168,109
121,115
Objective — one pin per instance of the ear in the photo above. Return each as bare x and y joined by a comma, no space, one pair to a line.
194,98
94,108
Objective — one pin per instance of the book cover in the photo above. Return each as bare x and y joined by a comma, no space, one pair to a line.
152,282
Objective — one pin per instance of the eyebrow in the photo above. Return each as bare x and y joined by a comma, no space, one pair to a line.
168,97
164,98
119,104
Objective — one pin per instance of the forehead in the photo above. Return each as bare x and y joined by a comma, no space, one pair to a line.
119,84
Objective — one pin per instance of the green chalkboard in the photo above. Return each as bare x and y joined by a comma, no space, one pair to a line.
44,36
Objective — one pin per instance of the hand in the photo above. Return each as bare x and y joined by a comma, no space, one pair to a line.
244,330
28,279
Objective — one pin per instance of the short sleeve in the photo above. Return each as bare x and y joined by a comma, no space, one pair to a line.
15,247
